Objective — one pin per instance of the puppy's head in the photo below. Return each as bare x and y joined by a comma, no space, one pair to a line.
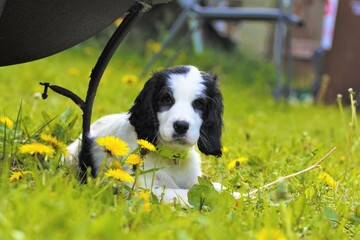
178,108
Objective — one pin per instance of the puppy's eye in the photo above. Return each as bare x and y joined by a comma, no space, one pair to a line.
166,99
199,104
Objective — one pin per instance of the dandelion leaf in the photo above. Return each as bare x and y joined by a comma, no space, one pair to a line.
331,214
205,182
226,200
203,194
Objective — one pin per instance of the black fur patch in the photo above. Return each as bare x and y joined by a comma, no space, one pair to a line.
86,159
165,99
209,142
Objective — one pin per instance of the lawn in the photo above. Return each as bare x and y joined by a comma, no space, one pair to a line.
269,139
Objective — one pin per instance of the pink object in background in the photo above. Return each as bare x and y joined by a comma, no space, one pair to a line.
329,20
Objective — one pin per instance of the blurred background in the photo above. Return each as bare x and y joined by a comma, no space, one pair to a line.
312,45
324,51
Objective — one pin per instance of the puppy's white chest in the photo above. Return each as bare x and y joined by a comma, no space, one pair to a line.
182,174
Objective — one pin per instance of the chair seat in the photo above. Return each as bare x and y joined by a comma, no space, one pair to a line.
35,29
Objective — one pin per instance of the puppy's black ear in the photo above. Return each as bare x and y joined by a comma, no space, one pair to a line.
209,142
143,113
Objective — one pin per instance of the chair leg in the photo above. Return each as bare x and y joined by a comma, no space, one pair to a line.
96,75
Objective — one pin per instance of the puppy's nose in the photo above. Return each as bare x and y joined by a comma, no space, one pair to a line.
181,127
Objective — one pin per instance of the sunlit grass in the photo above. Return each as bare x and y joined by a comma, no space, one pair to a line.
275,138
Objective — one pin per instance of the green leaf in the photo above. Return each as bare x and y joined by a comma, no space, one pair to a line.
46,116
226,200
72,122
201,196
150,170
331,214
205,182
309,192
65,116
154,198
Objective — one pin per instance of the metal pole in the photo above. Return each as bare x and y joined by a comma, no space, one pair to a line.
278,51
288,59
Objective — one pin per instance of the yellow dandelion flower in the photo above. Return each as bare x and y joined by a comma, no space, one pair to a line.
233,164
146,145
129,79
153,46
119,175
328,180
270,234
115,164
146,207
55,143
133,159
16,176
144,195
37,148
342,158
7,122
118,22
225,149
74,72
236,163
114,146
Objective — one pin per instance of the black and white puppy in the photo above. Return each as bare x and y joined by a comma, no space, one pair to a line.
177,109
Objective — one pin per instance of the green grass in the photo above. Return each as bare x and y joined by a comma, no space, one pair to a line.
277,139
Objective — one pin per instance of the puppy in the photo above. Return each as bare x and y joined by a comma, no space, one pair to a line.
178,109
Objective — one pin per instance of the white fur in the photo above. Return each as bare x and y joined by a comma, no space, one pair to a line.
186,88
181,175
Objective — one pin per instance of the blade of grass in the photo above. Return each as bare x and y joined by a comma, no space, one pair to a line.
16,128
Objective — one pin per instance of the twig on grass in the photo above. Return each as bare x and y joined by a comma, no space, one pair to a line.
316,165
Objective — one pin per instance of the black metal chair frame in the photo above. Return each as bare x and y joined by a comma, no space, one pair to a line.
95,77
